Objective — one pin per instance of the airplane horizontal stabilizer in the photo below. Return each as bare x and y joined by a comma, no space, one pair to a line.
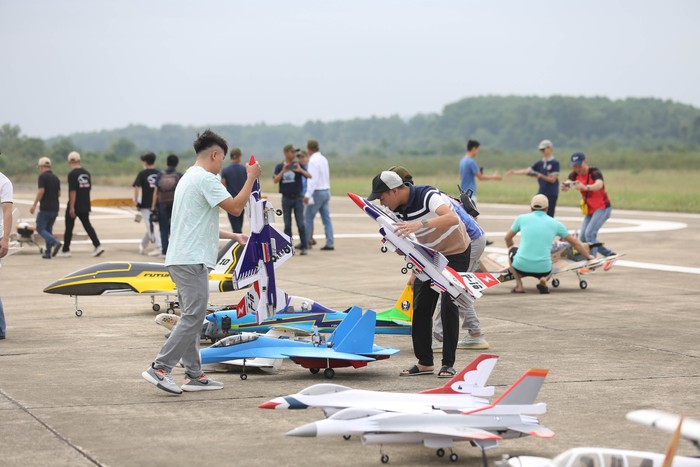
537,431
458,432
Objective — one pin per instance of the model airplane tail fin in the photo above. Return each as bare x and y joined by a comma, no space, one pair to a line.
471,380
255,192
405,302
524,390
355,334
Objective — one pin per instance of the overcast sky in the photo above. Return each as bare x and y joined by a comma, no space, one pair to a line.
84,65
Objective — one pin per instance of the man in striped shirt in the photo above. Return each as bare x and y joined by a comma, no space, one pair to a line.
423,211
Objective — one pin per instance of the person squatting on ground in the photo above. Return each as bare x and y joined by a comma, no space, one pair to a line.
163,196
547,172
47,197
422,211
79,186
318,193
191,255
234,177
476,248
289,175
595,203
144,185
534,255
6,201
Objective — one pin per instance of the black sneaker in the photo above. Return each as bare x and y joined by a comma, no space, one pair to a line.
327,248
47,254
56,248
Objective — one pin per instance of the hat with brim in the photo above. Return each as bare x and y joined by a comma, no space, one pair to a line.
577,159
384,182
539,203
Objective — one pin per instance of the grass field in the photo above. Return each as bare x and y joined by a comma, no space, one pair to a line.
658,190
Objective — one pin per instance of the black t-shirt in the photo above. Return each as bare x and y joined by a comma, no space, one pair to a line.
79,180
146,179
52,186
291,183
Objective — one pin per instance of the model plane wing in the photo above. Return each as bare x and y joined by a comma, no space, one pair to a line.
211,356
458,432
323,353
667,422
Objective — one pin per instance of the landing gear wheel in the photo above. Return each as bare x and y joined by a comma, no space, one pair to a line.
347,437
555,283
329,373
385,459
314,370
440,452
454,457
583,285
384,249
244,376
156,307
78,313
409,265
404,270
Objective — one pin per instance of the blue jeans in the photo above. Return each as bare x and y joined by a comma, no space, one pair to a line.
322,200
165,213
295,205
2,320
590,227
44,226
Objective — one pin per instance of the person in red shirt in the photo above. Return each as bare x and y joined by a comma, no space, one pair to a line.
595,204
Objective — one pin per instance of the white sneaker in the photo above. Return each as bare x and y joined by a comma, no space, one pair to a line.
155,252
98,251
64,254
436,346
201,384
142,250
473,343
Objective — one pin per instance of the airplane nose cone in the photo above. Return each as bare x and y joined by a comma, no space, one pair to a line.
211,317
306,431
268,405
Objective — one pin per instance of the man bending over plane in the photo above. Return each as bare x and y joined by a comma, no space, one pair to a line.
423,211
192,254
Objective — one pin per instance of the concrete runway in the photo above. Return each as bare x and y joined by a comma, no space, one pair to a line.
71,391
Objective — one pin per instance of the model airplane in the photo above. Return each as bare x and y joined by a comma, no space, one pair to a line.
351,344
508,417
688,429
426,263
305,315
138,278
458,394
261,252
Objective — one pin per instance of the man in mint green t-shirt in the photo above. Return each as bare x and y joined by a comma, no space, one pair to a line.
192,253
537,231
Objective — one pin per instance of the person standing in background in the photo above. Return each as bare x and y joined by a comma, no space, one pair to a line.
144,185
47,197
79,186
6,200
318,193
469,171
289,175
163,197
234,177
547,172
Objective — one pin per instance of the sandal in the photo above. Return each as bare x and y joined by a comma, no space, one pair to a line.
517,291
415,371
446,372
543,288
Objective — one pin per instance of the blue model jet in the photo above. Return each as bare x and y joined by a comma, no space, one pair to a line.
351,344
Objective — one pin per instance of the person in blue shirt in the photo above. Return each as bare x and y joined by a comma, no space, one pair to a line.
290,175
233,177
546,170
469,171
537,232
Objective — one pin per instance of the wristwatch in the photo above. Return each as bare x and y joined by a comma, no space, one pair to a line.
424,222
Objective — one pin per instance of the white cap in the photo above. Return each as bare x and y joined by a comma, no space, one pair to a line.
44,162
74,156
545,143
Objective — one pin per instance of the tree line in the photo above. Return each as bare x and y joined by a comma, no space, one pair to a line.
503,124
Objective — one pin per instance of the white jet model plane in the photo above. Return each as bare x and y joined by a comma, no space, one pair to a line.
508,417
458,394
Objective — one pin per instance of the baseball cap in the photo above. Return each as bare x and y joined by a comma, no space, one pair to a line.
385,181
577,158
74,157
545,143
539,202
236,153
403,173
44,162
289,147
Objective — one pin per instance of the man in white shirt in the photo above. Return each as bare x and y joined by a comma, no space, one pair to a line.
318,193
5,226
